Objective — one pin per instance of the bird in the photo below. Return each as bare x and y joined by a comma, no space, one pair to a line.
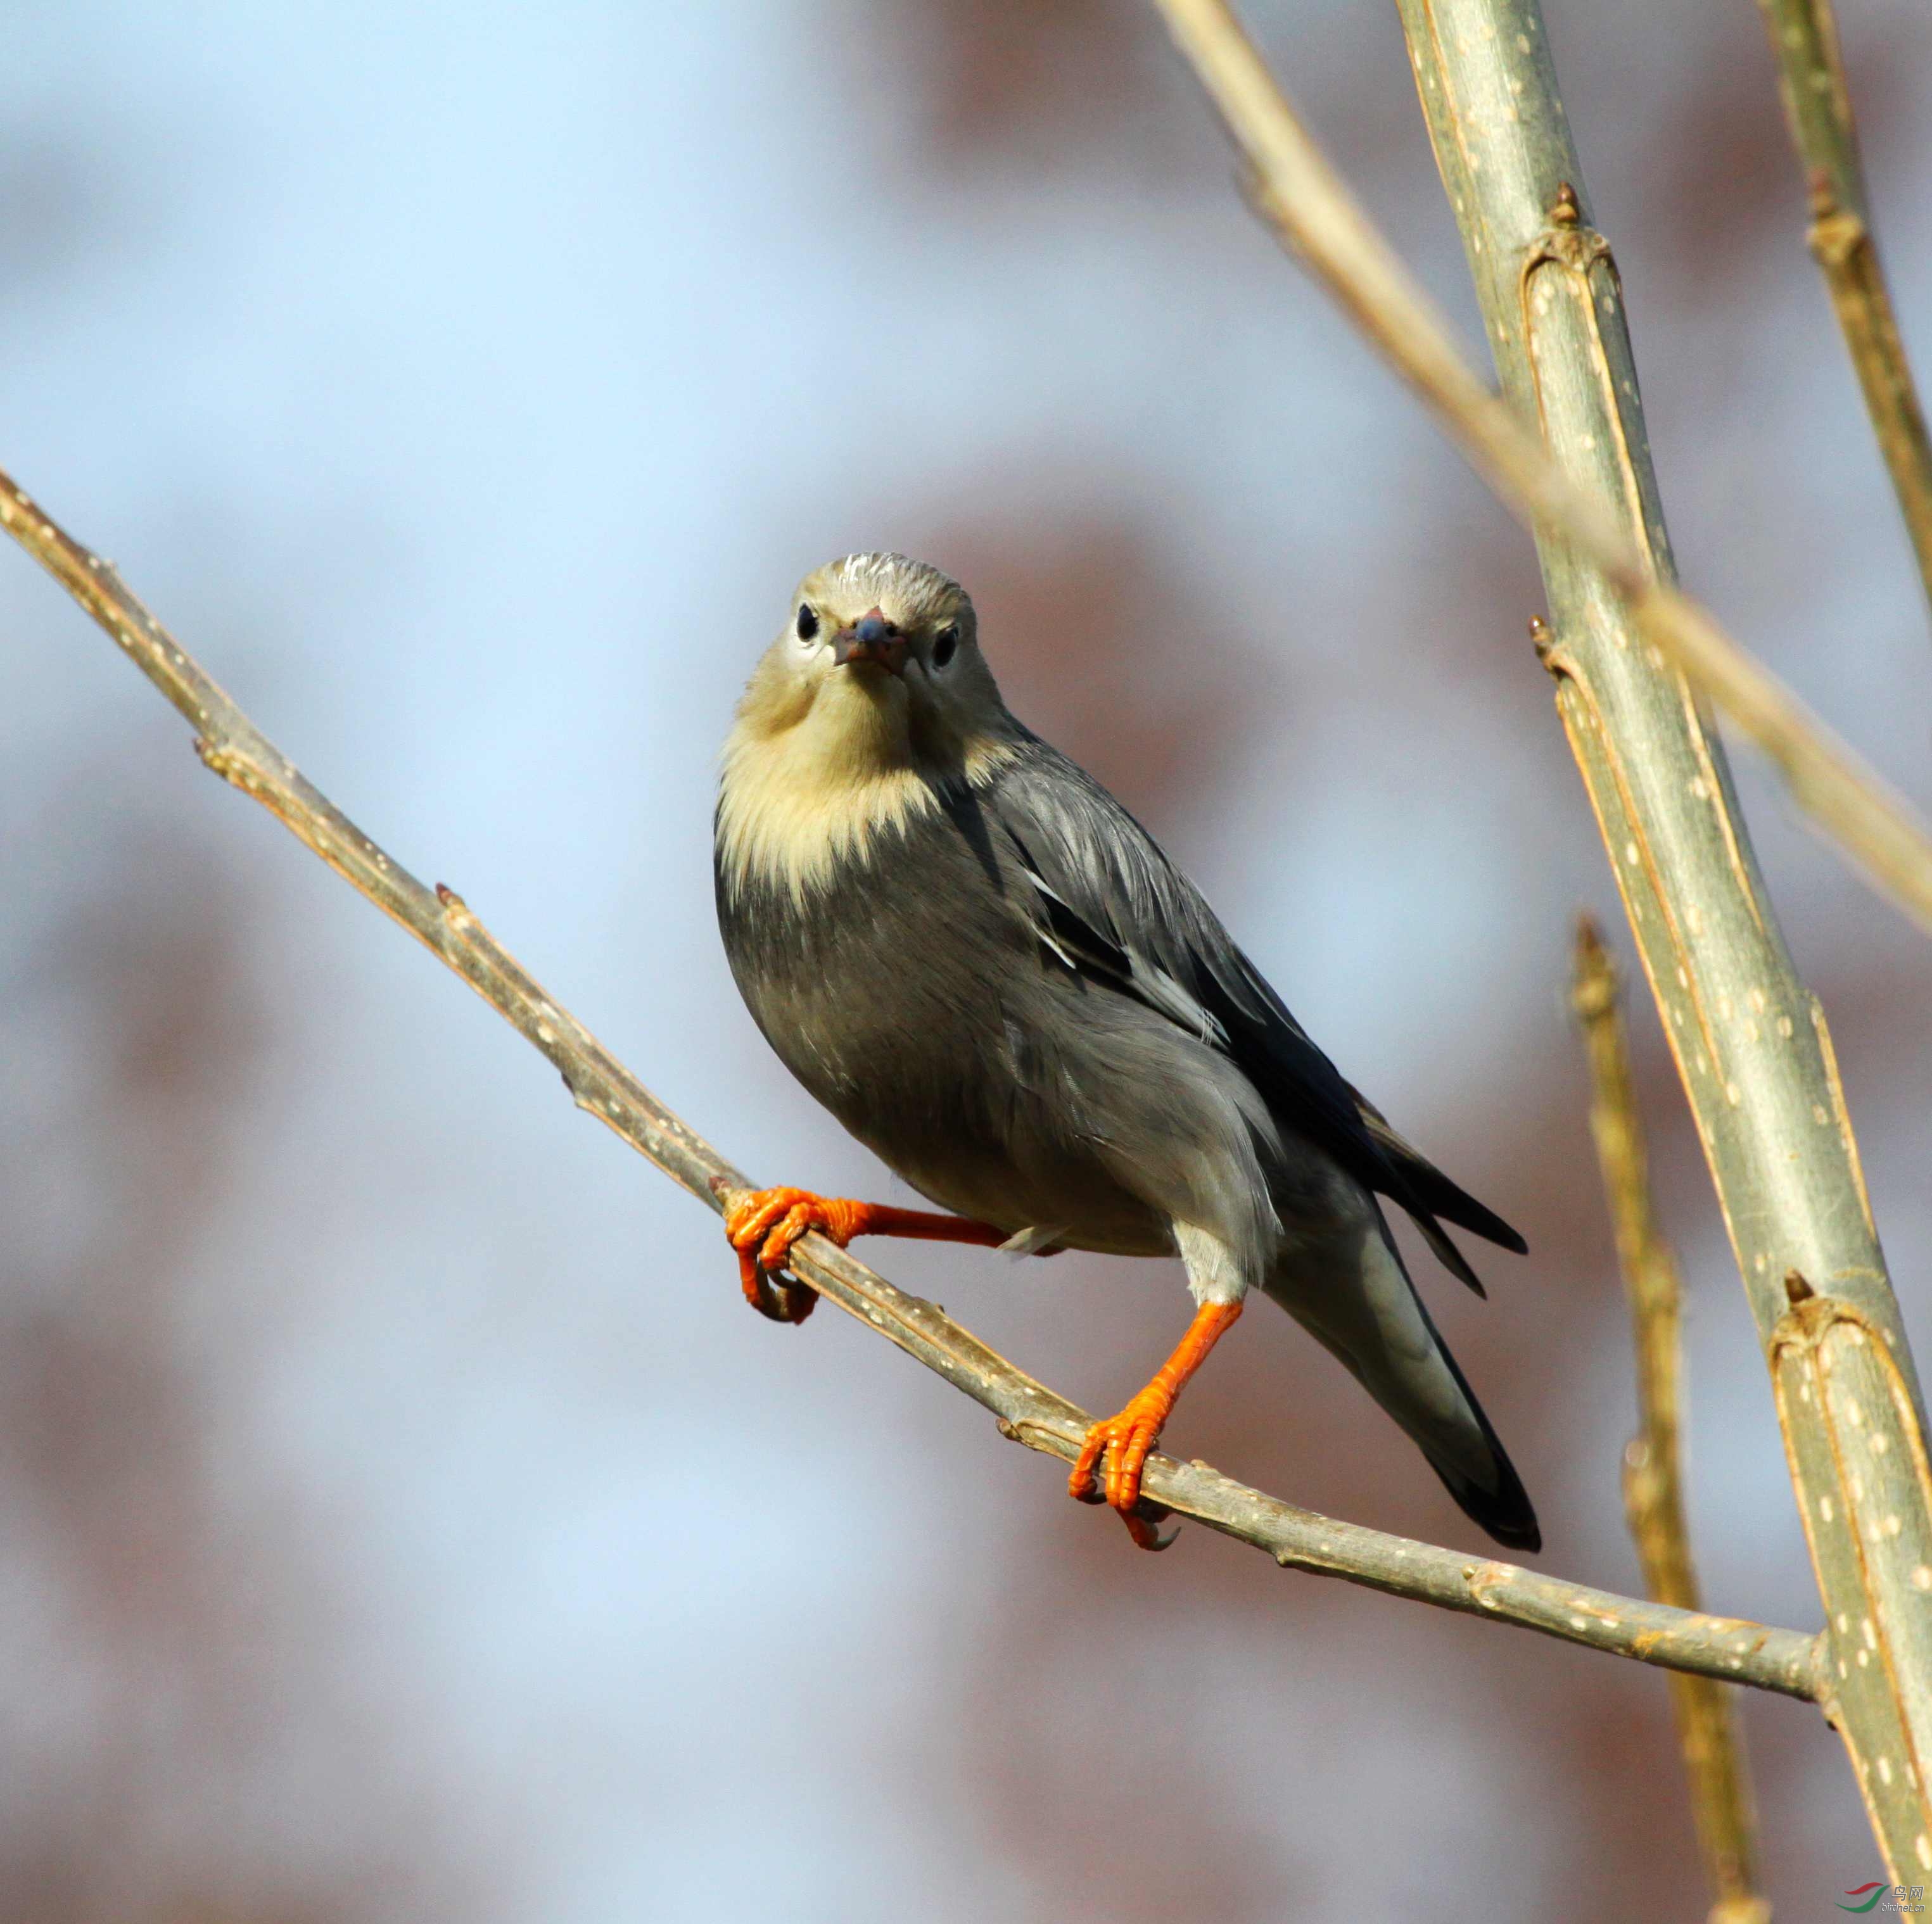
966,949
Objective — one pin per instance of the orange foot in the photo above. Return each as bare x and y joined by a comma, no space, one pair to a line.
763,1227
1118,1447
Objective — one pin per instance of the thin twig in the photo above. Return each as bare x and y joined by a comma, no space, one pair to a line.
1721,1803
1818,110
1306,202
1737,1652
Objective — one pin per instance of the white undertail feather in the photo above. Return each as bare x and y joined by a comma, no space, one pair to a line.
1214,1272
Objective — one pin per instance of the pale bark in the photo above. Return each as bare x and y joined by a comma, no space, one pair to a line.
1750,1041
1297,191
1783,1661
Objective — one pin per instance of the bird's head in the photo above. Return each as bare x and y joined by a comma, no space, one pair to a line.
879,656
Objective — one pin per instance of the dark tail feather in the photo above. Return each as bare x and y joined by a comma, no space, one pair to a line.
1441,1198
1422,1189
1356,1298
1506,1512
1451,1258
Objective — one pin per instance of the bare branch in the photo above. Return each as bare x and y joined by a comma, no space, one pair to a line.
1737,1652
1303,197
1818,110
1750,1044
1707,1725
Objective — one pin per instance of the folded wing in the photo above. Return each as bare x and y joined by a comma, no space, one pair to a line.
1107,903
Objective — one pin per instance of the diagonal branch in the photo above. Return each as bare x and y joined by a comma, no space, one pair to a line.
1751,1044
1300,195
1783,1661
1818,110
1708,1729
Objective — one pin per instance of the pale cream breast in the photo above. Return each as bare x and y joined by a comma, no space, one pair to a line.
803,793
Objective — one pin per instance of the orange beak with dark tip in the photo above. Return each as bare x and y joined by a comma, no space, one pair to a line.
873,640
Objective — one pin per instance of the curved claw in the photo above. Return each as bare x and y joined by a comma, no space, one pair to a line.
1144,1531
1117,1448
762,1228
773,1296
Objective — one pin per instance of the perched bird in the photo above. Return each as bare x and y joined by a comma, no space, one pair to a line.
987,970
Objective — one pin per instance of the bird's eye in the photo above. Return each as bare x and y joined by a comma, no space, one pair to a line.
943,644
808,622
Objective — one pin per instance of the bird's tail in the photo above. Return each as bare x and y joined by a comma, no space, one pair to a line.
1367,1313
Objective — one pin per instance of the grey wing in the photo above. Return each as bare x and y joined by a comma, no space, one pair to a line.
1110,905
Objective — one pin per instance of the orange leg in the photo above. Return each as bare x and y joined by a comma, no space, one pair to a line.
1119,1445
763,1227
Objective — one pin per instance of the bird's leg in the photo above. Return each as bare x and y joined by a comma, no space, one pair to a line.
1120,1445
763,1226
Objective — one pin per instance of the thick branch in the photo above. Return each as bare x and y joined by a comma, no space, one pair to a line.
1707,1724
1818,110
1750,1044
1299,193
1784,1661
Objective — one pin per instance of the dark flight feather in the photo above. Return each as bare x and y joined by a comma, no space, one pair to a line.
1109,904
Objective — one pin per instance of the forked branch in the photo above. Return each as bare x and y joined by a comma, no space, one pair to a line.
1783,1661
1301,196
1751,1044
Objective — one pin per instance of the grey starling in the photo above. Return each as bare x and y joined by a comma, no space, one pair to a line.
987,970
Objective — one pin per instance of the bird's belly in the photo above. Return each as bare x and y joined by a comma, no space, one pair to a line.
943,1107
1077,1200
964,1079
935,1091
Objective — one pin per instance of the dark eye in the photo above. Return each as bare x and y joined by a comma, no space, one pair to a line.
808,622
943,643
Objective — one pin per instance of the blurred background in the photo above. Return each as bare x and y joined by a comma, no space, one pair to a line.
401,1516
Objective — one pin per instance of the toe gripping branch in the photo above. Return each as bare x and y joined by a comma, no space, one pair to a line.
1110,1462
763,1226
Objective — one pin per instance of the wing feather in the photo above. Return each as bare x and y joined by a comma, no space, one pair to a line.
1106,903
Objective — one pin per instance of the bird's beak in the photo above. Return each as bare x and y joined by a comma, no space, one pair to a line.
870,639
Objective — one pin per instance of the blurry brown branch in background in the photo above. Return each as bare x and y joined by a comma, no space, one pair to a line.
1707,1726
1818,110
1300,195
1783,1661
